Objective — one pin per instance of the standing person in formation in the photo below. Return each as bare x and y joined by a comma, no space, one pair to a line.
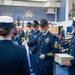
13,59
20,35
30,27
34,48
46,49
71,63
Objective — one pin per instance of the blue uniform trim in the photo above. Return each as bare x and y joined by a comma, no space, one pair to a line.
6,25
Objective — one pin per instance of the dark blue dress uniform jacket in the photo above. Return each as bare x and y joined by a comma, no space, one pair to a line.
30,37
71,69
34,48
13,59
33,35
20,35
30,34
61,44
46,45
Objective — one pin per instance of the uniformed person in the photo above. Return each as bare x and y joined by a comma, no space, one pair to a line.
34,48
36,33
47,47
13,59
61,42
30,37
71,63
29,25
66,45
20,35
14,34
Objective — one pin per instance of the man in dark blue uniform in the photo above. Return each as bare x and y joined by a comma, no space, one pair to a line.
71,63
20,35
36,33
13,59
29,25
61,42
34,48
46,49
65,48
30,37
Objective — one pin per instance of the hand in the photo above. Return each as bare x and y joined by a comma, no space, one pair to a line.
42,56
30,52
68,63
23,43
62,50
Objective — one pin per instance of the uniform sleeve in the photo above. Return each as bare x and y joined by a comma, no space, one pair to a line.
34,49
25,66
73,62
32,42
54,47
23,34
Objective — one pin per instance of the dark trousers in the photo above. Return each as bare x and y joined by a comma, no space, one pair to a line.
43,70
32,60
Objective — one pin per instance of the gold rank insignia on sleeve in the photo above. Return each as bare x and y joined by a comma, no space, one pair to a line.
50,54
66,49
56,45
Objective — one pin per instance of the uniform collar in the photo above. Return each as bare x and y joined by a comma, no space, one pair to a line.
6,42
45,33
31,30
4,39
35,31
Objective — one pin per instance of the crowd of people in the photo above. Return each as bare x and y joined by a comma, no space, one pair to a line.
42,46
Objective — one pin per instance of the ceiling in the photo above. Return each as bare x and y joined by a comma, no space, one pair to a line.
51,5
30,0
32,3
36,0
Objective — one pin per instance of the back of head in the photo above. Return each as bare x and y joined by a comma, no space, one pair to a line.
43,23
6,25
